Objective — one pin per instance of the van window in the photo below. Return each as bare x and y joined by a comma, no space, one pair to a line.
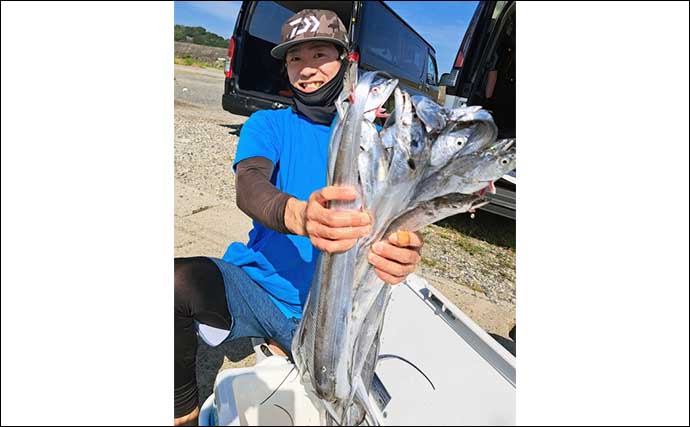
432,74
272,16
387,44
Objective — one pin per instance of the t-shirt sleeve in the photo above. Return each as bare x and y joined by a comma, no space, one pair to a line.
258,139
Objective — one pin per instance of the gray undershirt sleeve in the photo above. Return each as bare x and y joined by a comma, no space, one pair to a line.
257,197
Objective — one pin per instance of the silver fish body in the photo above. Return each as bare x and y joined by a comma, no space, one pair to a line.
426,164
326,316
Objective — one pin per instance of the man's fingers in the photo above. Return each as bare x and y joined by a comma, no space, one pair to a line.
334,218
337,233
407,255
338,193
387,278
391,267
334,230
332,246
406,239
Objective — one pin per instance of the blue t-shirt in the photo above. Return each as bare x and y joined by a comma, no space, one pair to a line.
283,264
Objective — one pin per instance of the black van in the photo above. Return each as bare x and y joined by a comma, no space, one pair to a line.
484,74
254,80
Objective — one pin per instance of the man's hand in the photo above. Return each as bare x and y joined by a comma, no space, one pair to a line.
396,258
328,229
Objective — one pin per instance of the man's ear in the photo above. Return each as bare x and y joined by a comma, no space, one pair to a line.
341,52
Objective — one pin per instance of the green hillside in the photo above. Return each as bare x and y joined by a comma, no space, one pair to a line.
199,35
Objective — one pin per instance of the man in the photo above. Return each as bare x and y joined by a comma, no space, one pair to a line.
259,289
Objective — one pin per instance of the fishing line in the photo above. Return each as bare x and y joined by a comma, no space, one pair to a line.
393,356
281,383
288,414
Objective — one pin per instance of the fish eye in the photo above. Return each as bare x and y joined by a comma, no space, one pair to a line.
375,90
504,161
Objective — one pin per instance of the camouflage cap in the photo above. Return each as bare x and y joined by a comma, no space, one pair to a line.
311,25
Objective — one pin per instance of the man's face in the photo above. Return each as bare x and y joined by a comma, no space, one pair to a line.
312,64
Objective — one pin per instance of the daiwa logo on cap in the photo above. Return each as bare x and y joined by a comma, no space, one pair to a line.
310,24
308,21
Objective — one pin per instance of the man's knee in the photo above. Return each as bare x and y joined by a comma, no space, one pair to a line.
188,272
200,292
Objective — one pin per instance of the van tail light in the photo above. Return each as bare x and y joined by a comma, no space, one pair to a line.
469,34
228,60
459,59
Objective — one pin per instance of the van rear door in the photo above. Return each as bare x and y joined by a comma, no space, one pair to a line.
475,35
386,42
484,74
472,57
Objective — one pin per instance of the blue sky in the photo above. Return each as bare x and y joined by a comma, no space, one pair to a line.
441,23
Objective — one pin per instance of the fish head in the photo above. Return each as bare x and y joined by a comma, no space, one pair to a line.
430,113
494,162
483,134
450,142
467,130
381,89
457,114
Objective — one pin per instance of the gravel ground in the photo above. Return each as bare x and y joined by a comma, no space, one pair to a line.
470,262
205,147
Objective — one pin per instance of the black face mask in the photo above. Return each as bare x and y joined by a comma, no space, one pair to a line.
319,106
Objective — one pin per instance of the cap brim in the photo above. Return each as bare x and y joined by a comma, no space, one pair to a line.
279,51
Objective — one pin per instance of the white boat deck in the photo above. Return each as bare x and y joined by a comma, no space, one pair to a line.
461,376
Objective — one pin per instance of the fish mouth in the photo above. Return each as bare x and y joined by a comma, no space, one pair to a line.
490,188
381,112
309,87
378,112
477,206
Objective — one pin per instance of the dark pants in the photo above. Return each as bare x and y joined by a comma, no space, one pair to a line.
210,291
